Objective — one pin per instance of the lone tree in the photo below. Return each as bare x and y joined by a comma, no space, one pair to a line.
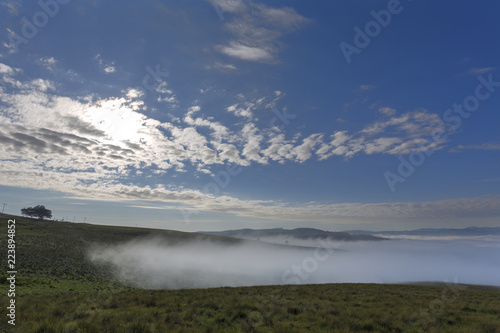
38,211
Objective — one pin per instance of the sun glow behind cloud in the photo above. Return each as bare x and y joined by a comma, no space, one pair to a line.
118,119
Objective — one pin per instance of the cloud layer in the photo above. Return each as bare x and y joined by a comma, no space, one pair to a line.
158,264
96,147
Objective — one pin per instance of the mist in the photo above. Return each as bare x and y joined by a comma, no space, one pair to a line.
157,264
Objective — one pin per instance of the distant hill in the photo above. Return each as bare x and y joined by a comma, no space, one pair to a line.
470,231
273,235
53,255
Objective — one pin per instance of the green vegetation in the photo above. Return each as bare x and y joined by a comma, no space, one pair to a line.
305,308
57,290
50,256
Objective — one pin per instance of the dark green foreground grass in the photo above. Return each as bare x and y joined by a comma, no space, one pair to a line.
59,291
305,308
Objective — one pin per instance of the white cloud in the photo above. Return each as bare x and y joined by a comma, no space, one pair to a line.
397,135
134,93
11,47
12,6
366,87
108,132
257,29
335,146
109,69
41,85
305,150
490,180
230,6
222,67
484,146
170,100
478,71
279,149
105,66
48,62
387,111
242,111
285,18
219,131
381,145
162,88
252,147
168,95
229,153
6,70
244,52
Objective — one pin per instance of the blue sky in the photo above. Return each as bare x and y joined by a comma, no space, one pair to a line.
225,114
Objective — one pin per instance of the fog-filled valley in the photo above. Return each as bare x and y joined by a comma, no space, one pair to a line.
156,263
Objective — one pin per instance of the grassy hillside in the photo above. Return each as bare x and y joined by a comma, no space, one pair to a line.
50,256
59,291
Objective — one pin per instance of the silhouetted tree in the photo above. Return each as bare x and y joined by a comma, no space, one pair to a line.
28,212
38,211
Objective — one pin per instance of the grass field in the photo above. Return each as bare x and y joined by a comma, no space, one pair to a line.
58,290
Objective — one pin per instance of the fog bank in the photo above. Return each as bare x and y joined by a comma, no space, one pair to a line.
155,264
